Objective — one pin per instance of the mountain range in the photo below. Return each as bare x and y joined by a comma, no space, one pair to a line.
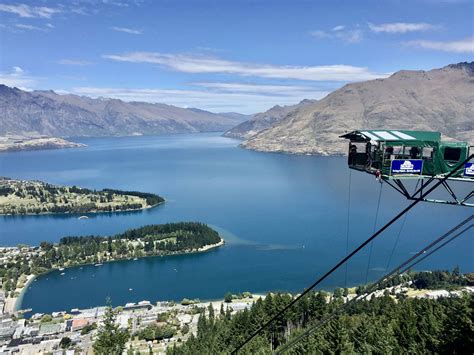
439,99
47,113
436,100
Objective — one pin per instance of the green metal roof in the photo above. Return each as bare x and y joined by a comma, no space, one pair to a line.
393,135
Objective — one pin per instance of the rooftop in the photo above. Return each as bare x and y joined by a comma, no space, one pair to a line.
392,135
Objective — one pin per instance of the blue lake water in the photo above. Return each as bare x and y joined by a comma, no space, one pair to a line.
284,219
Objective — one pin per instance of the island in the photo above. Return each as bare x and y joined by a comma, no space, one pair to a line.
15,143
37,197
19,265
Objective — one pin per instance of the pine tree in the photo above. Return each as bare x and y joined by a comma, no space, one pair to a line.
222,312
459,326
110,339
338,336
211,314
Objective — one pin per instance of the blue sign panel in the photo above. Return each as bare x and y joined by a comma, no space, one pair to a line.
407,167
469,169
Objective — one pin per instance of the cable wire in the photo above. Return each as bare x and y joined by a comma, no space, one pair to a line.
398,235
396,241
350,255
442,245
373,231
348,223
396,271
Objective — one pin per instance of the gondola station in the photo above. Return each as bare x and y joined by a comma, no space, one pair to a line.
394,156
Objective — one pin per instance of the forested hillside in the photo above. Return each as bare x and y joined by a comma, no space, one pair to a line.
382,325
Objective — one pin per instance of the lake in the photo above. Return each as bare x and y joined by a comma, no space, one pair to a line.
284,219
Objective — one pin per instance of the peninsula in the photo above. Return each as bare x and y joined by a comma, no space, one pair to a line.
36,197
19,265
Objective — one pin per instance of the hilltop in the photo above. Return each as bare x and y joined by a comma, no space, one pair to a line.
440,100
263,120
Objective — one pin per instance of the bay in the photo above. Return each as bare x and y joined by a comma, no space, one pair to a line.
284,219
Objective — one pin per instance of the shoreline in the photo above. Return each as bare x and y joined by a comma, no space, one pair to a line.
209,247
12,303
79,214
15,302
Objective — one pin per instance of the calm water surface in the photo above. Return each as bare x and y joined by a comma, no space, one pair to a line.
284,219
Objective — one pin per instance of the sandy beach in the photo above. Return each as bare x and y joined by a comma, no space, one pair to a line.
12,303
211,246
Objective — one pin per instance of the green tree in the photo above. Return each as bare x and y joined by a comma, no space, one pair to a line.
88,328
65,342
459,326
46,318
185,329
110,338
228,297
338,292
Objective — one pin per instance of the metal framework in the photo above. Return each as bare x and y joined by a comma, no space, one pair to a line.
426,182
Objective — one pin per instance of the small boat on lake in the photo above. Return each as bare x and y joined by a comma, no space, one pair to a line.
83,217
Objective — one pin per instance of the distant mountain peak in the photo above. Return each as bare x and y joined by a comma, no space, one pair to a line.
468,66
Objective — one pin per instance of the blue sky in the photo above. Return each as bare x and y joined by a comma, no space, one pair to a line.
242,56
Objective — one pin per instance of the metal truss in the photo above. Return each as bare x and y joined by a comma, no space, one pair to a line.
398,185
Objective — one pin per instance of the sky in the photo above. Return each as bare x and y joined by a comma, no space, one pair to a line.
225,56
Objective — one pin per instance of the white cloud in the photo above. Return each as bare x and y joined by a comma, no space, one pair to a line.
22,26
115,3
27,11
351,36
241,87
17,77
213,101
127,30
77,62
203,64
354,35
320,34
401,27
262,89
461,46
